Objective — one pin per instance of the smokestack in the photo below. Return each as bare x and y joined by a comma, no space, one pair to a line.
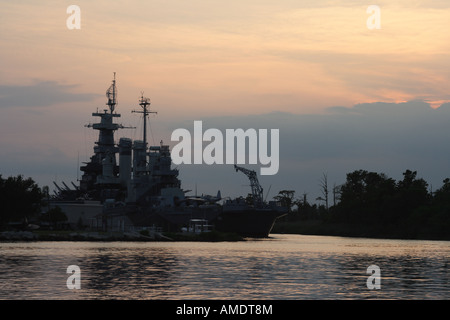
125,161
108,166
139,158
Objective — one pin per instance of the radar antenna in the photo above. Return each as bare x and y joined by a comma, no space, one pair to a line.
111,94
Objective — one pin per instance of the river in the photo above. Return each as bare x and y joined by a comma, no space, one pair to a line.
288,267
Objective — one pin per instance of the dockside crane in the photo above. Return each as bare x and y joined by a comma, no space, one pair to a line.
257,190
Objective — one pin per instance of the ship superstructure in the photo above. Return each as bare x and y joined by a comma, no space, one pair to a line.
140,175
153,181
100,179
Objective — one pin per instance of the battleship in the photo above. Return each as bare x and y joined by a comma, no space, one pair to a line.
143,191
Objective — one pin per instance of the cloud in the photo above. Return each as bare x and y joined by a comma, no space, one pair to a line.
40,94
382,137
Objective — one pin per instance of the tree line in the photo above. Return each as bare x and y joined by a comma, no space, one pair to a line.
375,205
367,204
21,201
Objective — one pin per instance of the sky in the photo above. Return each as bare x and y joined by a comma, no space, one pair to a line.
344,97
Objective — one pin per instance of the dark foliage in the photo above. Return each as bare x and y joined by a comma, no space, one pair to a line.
19,199
372,204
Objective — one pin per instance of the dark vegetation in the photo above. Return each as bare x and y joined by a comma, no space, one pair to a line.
368,204
20,200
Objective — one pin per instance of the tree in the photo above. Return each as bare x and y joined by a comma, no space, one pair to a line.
410,194
19,199
324,190
54,216
286,198
365,196
336,194
414,191
442,195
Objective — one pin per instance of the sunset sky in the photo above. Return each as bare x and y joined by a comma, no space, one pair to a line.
256,63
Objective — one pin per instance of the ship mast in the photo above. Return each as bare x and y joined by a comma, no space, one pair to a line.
144,103
102,167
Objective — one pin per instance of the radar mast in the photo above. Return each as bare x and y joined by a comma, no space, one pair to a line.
144,103
111,94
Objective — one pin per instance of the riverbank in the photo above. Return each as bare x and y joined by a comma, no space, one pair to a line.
45,235
321,228
306,227
36,235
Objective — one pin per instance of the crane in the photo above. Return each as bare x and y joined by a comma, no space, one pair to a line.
257,190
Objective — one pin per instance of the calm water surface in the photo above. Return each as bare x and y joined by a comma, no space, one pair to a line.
282,267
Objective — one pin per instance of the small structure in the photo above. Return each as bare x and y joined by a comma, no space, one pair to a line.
197,226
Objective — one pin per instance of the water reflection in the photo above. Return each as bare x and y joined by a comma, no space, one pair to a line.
285,267
30,277
402,276
129,274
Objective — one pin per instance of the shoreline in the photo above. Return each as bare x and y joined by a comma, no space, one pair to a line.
214,236
320,228
26,235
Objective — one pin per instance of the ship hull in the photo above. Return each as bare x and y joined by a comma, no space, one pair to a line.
253,223
246,222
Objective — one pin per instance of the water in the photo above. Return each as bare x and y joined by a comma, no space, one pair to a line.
283,267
